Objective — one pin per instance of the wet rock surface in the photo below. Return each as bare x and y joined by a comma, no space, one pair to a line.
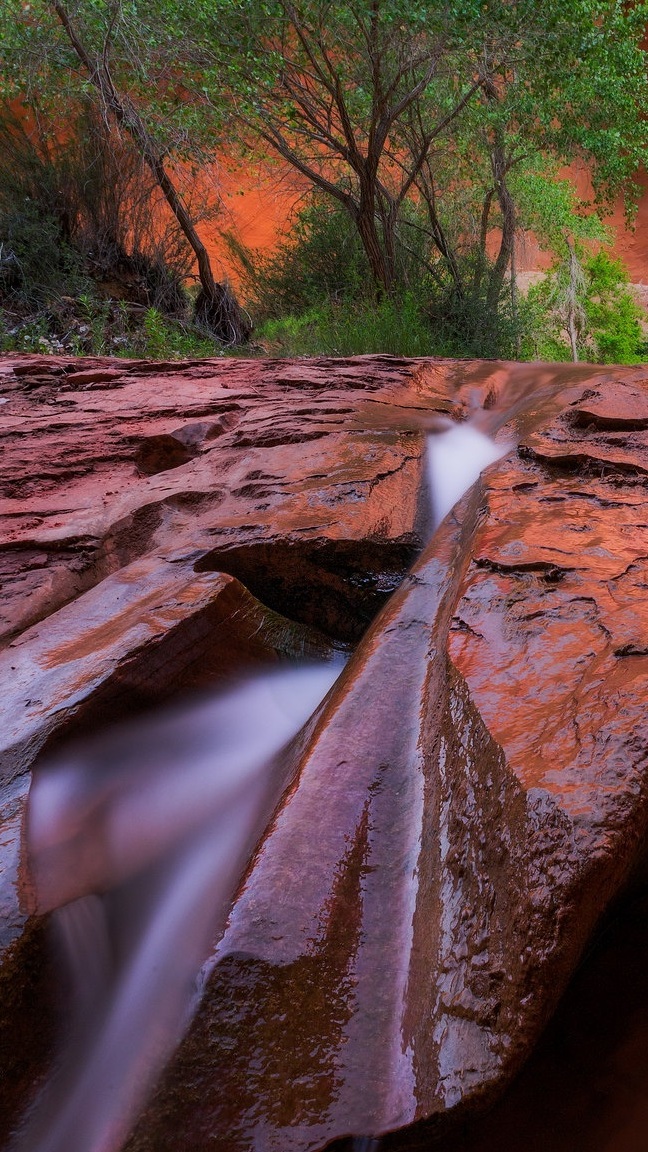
474,794
101,466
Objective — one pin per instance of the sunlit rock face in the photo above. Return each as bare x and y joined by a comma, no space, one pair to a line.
474,791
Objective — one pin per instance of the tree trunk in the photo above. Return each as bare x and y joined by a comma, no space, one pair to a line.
515,312
500,167
216,306
381,268
506,248
574,312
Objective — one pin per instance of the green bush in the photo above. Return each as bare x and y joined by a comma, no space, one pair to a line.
610,329
470,325
613,316
315,295
394,326
403,325
36,263
319,259
162,339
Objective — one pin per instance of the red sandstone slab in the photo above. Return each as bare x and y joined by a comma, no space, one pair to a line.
475,791
94,376
77,503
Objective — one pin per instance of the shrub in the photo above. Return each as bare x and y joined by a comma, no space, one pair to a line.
394,326
315,295
319,258
36,262
470,325
610,319
83,209
613,316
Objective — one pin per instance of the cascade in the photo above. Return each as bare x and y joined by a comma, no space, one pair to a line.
456,455
137,842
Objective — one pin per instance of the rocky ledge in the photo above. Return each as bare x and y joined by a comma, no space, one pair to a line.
473,794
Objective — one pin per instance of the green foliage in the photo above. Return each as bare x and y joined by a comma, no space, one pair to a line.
473,324
143,41
36,262
319,258
161,339
113,55
611,331
544,337
32,335
392,326
95,319
316,293
549,205
613,316
435,130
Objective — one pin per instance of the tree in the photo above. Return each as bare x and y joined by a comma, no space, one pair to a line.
326,86
587,298
383,102
104,44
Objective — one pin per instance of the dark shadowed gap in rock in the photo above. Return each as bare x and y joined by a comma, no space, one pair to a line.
336,586
31,1003
588,421
168,450
585,464
161,453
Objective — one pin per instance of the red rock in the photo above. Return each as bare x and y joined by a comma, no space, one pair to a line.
473,795
80,499
94,376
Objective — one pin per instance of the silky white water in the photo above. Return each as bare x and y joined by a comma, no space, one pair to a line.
137,843
456,455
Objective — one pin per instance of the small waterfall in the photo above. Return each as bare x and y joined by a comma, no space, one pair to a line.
456,455
137,843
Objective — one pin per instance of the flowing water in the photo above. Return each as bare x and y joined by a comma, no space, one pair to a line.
137,843
456,456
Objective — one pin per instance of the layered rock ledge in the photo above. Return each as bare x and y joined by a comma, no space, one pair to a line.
474,792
